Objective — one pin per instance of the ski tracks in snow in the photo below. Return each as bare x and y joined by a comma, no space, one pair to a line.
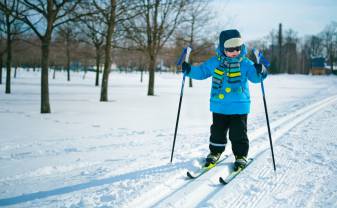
256,187
166,186
304,177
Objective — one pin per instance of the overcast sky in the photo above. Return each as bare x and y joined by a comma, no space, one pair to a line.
256,18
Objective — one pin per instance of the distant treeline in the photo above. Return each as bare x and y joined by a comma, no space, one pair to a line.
287,52
291,54
134,35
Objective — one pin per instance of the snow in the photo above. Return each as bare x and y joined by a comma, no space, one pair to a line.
116,154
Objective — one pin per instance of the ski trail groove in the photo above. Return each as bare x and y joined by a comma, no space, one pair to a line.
279,133
198,192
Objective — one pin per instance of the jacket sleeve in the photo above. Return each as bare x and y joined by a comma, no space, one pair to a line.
204,70
251,72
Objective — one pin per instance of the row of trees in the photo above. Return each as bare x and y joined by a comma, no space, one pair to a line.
291,54
143,27
134,34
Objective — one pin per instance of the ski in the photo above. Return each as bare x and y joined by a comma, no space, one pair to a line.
233,174
203,170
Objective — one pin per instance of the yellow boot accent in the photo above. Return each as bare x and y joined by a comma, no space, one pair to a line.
210,166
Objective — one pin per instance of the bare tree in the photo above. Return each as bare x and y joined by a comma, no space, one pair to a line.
11,28
27,48
196,20
67,35
2,44
153,29
93,31
290,51
112,13
272,52
108,11
280,49
315,45
304,56
43,17
329,36
1,64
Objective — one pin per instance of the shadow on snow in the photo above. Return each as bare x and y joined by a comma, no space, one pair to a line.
94,183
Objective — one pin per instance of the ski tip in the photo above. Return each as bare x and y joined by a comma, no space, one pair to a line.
189,175
222,181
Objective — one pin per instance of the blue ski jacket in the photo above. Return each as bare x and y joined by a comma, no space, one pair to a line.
227,97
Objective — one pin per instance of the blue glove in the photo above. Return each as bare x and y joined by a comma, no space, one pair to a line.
186,68
260,70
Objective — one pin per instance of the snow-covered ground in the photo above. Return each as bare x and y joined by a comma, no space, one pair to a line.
116,154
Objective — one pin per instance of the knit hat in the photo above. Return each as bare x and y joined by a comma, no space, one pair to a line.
229,39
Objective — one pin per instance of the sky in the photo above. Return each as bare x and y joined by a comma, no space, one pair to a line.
256,18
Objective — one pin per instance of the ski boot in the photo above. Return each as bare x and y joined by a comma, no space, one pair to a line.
240,162
212,158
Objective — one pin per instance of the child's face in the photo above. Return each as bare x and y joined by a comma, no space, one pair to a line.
232,54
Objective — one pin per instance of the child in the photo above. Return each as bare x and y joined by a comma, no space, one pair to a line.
230,98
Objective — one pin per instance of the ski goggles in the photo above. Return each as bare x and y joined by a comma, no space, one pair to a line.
238,48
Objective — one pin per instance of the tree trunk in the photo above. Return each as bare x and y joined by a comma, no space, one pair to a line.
98,59
280,43
152,69
85,72
141,75
191,45
54,73
331,62
1,69
45,106
190,82
302,63
107,62
9,57
15,71
106,72
68,61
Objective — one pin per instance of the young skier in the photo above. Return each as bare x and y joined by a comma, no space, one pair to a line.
230,98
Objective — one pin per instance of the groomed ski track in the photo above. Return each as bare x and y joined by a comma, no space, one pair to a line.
195,193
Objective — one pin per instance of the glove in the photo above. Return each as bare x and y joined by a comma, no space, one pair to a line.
260,70
186,68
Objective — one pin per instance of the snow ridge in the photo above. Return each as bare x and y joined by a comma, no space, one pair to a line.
195,193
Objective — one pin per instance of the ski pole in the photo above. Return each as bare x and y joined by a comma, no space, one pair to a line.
186,53
260,59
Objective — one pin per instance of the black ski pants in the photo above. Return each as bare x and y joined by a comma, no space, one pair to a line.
236,126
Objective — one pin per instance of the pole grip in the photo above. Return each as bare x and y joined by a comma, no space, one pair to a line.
188,52
257,56
260,58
